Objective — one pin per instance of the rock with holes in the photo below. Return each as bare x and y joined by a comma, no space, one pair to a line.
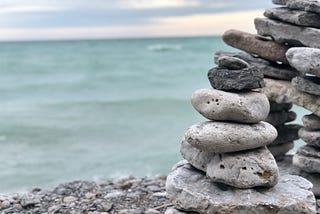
307,159
305,60
191,190
245,169
307,84
220,137
311,122
243,79
279,118
311,137
244,107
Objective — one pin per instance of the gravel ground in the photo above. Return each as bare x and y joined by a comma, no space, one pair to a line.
129,195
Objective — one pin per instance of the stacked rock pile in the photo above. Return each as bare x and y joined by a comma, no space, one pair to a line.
227,167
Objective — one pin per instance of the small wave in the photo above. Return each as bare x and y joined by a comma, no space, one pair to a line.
164,47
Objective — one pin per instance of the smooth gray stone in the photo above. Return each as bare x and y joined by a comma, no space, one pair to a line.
283,92
279,107
223,137
307,84
312,138
193,191
251,43
245,169
305,60
306,5
287,33
296,17
227,80
287,133
307,159
244,107
268,68
197,158
232,63
280,150
311,122
279,118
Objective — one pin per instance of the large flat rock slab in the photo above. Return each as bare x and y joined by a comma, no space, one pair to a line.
248,42
283,92
306,5
287,33
191,190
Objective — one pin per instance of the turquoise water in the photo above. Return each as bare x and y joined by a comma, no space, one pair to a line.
97,109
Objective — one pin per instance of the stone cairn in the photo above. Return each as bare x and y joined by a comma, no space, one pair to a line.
227,166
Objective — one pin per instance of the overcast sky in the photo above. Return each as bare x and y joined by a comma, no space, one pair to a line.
65,19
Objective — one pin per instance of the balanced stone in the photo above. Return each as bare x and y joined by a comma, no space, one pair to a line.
279,107
232,63
244,107
306,5
280,150
311,122
287,133
283,92
305,60
296,17
286,33
251,43
307,159
245,169
193,191
307,84
279,118
268,68
312,138
225,79
230,137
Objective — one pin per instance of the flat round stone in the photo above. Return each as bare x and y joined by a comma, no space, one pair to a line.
190,190
312,138
232,63
245,107
307,159
223,137
244,169
311,122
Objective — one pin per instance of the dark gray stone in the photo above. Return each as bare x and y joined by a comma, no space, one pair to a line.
254,44
287,33
280,150
279,107
296,17
268,68
307,159
287,133
311,122
232,63
312,138
225,79
193,191
306,5
307,84
279,118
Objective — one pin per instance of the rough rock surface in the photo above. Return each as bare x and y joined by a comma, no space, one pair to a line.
311,122
230,137
281,149
307,159
296,17
286,33
306,5
245,169
283,92
281,2
305,60
226,79
232,63
279,107
268,68
312,138
279,118
287,133
307,84
253,44
193,191
244,107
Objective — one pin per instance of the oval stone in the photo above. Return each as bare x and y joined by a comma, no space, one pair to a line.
244,107
220,137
